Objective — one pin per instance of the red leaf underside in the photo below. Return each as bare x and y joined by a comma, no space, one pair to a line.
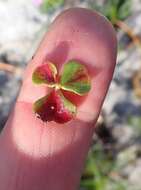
52,108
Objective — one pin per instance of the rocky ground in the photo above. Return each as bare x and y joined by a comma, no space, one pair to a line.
22,27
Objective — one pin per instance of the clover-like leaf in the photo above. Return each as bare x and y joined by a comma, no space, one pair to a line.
54,107
45,74
75,78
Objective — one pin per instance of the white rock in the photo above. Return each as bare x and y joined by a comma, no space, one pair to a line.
135,175
20,25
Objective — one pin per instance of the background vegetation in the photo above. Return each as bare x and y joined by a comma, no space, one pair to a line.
116,149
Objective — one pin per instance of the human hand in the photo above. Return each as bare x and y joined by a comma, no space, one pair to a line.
49,156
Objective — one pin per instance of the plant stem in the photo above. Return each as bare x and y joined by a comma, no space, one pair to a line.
124,27
10,68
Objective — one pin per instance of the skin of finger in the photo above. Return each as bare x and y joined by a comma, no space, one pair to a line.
41,153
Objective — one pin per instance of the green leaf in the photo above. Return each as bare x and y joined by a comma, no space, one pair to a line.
50,5
45,74
75,78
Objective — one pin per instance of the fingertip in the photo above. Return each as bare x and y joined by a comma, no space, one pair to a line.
77,33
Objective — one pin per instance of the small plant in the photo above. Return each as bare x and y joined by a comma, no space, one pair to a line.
117,11
55,106
114,10
48,5
101,171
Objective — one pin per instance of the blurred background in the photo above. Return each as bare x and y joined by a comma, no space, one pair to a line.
114,160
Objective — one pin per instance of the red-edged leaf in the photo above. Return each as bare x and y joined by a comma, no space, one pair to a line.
45,74
55,107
